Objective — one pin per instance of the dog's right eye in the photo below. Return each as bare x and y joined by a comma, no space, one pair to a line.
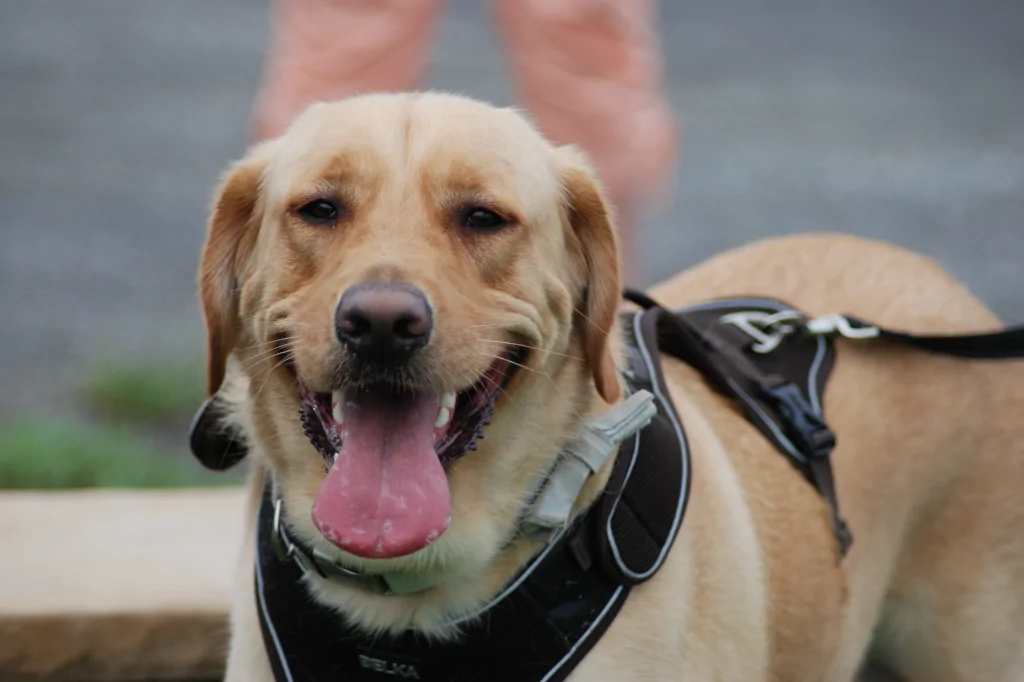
319,212
482,220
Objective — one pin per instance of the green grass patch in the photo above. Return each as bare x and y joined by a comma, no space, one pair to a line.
144,393
65,453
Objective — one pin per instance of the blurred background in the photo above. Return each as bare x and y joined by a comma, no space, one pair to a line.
898,119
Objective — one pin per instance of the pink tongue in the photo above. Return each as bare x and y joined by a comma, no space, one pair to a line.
386,494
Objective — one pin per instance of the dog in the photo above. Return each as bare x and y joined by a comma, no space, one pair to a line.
399,274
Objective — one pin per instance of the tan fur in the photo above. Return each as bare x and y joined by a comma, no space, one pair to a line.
930,465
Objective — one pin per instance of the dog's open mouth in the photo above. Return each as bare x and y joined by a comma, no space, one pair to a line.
387,448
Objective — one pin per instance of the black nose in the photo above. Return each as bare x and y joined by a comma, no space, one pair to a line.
383,323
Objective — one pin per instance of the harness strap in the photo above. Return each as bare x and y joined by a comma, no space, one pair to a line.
733,354
538,630
717,352
1004,344
635,521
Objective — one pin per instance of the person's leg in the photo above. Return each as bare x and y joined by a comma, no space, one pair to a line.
589,73
329,49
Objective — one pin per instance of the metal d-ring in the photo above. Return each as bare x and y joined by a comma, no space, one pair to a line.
767,329
282,547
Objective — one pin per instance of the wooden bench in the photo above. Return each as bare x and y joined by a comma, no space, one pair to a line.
117,585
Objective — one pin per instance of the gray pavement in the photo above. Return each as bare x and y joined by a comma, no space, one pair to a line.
899,119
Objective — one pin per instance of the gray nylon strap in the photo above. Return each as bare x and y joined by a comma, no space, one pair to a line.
582,458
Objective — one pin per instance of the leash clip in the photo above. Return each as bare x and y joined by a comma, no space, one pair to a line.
767,329
838,324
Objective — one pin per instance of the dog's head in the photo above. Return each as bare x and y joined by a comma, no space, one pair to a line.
400,276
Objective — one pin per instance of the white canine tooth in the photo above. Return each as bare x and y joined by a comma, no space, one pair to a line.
443,415
448,399
337,410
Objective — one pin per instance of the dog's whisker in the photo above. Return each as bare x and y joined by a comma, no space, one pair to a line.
266,379
276,348
258,359
511,362
258,344
496,384
262,359
532,348
544,374
289,339
282,353
554,384
589,321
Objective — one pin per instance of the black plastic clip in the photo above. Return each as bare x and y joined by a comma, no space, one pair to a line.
809,433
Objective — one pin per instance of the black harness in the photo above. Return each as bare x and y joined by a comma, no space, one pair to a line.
771,360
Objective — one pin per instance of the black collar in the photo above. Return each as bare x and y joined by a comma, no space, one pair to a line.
544,622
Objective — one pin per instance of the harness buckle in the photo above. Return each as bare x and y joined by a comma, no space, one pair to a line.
810,433
583,457
767,329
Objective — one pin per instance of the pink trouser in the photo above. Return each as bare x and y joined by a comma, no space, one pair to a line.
588,72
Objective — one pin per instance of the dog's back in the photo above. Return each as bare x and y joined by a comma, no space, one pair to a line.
929,468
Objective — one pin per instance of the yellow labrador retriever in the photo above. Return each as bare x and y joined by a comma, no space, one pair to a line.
400,274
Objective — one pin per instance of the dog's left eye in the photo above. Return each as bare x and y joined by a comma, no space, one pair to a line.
483,220
319,211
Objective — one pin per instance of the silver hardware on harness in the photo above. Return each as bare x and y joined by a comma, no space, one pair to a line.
282,547
767,329
837,324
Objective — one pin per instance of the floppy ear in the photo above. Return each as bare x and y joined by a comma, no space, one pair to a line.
594,245
213,441
230,238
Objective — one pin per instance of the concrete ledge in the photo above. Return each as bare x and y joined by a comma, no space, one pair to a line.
117,585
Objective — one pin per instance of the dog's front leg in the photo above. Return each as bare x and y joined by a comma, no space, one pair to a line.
247,658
